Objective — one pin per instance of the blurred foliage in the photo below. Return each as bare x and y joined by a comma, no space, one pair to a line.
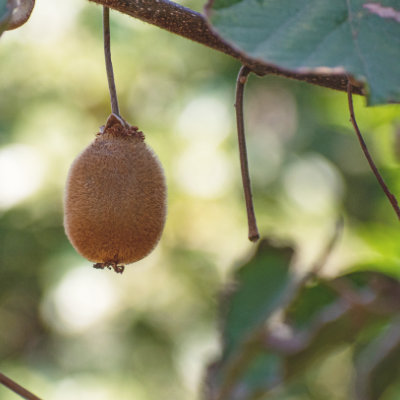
71,332
304,320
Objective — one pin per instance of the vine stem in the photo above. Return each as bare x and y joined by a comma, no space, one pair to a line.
15,387
251,218
109,66
193,25
389,195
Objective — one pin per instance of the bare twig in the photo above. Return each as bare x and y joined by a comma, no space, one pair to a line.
194,26
109,67
10,384
251,218
389,195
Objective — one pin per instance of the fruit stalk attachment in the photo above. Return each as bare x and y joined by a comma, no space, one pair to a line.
251,218
109,66
389,195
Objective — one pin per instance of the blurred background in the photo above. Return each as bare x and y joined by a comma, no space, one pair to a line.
68,331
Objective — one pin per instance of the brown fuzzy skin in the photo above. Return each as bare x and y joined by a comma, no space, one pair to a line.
115,198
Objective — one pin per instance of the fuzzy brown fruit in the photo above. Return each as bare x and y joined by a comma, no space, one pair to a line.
115,198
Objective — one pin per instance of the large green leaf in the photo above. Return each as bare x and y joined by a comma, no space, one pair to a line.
359,37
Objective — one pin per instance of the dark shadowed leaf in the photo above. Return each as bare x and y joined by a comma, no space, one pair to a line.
359,37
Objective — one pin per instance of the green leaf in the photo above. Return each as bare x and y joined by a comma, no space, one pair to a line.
262,372
311,300
260,287
318,36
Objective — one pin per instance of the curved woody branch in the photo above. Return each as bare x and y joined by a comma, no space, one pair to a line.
192,25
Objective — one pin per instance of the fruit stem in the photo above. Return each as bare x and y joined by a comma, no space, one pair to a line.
389,195
109,66
251,218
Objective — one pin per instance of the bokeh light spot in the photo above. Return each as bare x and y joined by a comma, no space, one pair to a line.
205,118
313,184
82,298
21,174
203,171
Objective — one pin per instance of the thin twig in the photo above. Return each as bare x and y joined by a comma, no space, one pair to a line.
10,384
109,67
389,195
251,218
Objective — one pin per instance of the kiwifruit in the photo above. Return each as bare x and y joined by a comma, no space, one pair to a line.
115,197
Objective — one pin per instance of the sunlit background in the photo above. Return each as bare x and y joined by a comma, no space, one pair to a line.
68,331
